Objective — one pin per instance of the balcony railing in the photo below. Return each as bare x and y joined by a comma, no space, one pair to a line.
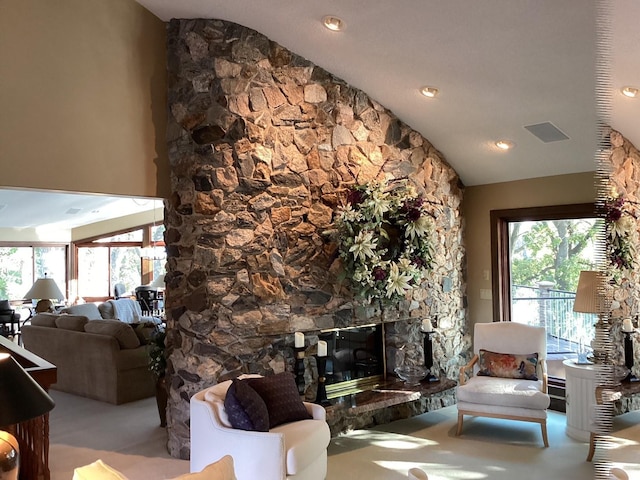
567,331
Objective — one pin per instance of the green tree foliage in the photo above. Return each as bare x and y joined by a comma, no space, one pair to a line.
553,250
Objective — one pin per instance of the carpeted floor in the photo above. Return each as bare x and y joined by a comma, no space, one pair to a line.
128,437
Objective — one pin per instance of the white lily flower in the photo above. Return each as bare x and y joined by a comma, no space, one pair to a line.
397,283
419,228
364,245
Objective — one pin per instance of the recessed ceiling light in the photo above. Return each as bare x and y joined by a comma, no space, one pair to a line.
333,23
505,144
631,92
429,92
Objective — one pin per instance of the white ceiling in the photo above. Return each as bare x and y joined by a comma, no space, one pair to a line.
499,65
57,210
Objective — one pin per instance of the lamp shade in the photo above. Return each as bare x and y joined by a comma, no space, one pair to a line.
21,397
590,295
44,288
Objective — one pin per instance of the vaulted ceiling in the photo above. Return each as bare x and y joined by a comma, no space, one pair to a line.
499,66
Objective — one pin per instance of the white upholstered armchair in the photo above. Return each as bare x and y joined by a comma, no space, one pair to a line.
295,450
508,375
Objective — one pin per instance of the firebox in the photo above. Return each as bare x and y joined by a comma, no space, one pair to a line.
355,359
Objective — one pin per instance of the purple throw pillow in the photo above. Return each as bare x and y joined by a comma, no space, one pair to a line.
280,394
245,408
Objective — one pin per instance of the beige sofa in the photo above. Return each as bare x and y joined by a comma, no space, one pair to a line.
99,359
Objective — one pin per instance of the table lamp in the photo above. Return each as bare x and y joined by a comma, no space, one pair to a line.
21,398
43,290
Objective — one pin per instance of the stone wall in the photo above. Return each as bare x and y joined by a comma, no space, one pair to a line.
624,160
262,146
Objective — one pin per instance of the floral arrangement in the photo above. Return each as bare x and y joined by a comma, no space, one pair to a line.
156,350
384,239
621,231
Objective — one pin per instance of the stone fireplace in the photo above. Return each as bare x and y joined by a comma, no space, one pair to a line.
262,147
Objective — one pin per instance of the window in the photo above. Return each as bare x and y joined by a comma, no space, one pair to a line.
21,266
117,258
538,254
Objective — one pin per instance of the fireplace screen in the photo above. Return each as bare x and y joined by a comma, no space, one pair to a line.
355,359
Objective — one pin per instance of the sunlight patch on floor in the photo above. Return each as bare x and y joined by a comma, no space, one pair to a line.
435,471
390,440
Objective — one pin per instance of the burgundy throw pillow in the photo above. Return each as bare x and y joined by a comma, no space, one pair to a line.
280,394
245,408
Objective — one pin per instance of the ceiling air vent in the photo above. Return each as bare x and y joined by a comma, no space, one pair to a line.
547,132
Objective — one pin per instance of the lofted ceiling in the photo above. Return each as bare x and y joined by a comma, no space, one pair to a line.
499,65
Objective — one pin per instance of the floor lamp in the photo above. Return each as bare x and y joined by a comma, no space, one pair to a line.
21,398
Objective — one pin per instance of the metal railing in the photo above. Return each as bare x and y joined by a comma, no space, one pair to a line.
567,331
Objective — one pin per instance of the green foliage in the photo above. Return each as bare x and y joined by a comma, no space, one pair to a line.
554,251
156,348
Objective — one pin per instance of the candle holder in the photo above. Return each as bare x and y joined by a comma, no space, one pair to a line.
299,369
321,396
628,356
428,356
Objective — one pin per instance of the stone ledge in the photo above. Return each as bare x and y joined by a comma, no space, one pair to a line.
393,400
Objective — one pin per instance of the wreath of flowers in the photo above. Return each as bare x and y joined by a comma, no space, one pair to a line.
384,239
621,232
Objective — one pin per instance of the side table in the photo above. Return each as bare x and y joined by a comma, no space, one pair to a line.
581,395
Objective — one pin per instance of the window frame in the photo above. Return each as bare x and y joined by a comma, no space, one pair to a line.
32,245
146,265
500,219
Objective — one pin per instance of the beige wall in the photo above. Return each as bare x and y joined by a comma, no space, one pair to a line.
83,97
480,200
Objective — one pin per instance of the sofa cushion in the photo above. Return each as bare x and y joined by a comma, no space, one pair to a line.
89,310
122,332
97,470
507,365
220,470
505,392
71,322
245,408
144,331
280,394
106,310
44,320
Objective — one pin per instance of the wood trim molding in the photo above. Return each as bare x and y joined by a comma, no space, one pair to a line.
500,219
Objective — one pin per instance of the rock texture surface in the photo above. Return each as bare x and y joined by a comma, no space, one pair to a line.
262,146
624,175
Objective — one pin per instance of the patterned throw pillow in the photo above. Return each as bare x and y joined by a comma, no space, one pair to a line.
280,394
245,408
508,365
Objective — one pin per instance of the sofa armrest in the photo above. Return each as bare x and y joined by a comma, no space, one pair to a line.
256,454
316,411
545,379
468,366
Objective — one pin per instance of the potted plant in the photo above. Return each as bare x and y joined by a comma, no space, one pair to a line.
158,366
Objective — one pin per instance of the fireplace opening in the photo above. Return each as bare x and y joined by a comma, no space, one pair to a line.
355,359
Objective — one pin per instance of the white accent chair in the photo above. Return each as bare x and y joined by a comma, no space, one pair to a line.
508,398
296,450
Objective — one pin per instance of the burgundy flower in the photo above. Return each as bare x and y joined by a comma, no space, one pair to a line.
614,214
414,214
379,274
355,197
417,261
